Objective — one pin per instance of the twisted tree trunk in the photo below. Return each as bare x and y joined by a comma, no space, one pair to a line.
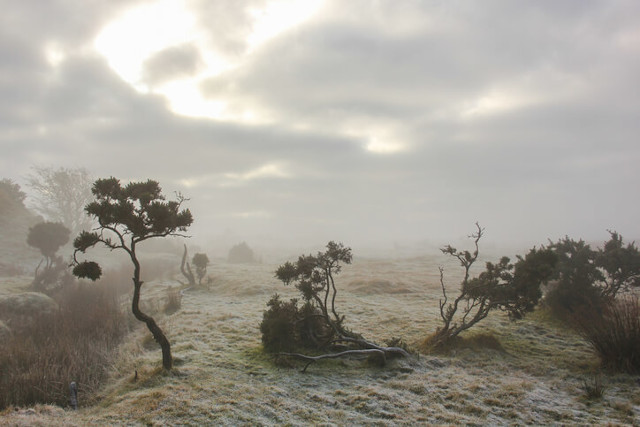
158,335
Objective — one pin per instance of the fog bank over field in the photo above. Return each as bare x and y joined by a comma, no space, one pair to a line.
387,126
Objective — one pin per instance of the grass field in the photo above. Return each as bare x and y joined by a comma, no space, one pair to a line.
222,377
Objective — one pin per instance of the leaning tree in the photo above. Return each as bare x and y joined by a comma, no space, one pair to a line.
510,287
316,325
128,215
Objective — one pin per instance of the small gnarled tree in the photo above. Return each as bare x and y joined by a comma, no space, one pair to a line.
128,215
200,261
48,237
510,287
317,324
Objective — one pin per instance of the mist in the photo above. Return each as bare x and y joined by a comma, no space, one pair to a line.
381,133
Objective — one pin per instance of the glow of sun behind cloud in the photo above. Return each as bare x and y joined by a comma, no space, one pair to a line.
141,32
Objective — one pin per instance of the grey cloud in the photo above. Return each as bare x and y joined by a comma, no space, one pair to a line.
563,164
173,62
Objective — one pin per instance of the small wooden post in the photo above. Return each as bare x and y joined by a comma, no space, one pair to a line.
73,390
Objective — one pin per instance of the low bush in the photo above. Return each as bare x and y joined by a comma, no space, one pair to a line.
286,327
587,277
613,330
241,254
38,362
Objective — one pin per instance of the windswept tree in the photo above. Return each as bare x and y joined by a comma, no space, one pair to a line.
313,276
510,287
61,194
48,237
127,216
317,324
200,261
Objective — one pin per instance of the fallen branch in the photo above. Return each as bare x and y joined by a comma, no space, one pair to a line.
312,359
371,346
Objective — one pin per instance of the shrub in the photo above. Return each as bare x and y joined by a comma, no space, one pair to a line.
278,325
241,253
73,344
587,277
513,288
285,327
613,330
48,237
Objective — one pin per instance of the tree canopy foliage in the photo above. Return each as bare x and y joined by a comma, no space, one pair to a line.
48,237
128,215
61,194
587,276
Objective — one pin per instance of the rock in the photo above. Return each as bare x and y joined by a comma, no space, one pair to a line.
20,310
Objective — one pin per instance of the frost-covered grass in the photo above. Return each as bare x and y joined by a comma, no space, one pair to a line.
223,378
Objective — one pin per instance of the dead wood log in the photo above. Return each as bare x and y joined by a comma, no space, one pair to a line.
370,348
311,359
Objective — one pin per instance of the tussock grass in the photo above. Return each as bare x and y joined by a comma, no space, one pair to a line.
40,359
614,333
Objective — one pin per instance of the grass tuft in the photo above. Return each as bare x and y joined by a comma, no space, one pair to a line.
593,389
72,344
614,333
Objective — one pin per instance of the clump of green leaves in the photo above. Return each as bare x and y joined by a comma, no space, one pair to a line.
587,277
286,327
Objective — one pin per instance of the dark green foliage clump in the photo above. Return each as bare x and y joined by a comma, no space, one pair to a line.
287,327
587,277
278,325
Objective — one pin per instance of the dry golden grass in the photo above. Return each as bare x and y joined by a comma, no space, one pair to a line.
223,378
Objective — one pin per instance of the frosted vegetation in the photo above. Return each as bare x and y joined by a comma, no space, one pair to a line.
537,356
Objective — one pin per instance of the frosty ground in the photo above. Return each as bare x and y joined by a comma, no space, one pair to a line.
222,377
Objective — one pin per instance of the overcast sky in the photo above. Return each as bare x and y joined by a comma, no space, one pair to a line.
371,122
